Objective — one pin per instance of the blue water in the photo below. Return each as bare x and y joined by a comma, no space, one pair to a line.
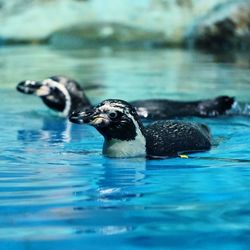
58,192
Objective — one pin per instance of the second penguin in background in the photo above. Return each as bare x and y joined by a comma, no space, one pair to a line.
65,95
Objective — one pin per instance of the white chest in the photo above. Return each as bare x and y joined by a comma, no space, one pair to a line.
117,148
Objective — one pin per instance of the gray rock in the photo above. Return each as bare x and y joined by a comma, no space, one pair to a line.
227,26
36,20
106,34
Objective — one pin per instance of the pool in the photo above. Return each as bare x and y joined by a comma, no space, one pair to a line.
58,192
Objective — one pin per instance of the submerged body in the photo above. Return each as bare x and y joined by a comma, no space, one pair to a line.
65,95
125,136
167,109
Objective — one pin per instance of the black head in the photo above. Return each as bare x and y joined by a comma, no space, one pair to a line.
53,93
59,93
40,88
114,119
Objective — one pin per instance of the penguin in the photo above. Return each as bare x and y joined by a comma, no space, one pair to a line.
125,135
156,109
59,93
64,95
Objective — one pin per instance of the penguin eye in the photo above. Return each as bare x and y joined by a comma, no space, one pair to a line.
112,114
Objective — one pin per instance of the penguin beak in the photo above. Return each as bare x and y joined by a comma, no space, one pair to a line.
29,87
92,116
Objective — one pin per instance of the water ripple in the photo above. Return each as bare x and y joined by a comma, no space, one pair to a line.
57,191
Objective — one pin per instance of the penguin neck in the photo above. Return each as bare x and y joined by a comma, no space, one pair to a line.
135,147
66,103
82,102
79,102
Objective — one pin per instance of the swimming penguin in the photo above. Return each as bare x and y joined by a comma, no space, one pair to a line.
167,109
125,136
65,95
59,93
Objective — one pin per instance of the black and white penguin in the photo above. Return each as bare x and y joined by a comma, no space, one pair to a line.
59,93
166,109
65,95
125,136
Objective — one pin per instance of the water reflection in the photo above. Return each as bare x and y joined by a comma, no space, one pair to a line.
238,59
52,194
176,74
120,177
53,130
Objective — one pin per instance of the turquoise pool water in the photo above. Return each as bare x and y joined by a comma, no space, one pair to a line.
58,192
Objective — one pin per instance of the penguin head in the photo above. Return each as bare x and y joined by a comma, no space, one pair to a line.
114,119
53,93
59,93
43,88
29,87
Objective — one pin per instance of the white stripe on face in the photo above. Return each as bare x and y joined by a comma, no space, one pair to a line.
53,84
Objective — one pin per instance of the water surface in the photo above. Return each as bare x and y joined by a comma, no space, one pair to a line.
58,192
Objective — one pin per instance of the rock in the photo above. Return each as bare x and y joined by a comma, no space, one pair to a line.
227,26
151,22
37,20
28,21
106,34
